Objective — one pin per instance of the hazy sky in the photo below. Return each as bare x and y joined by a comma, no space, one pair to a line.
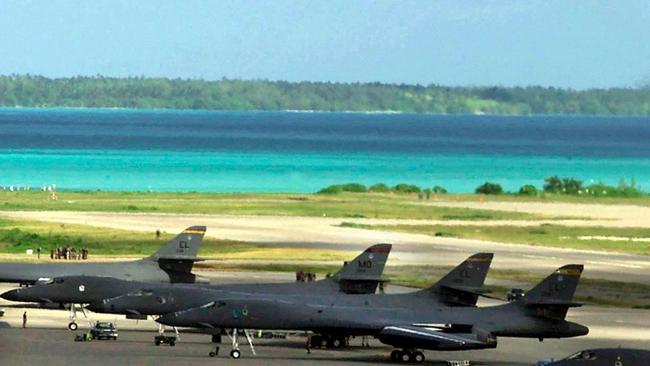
578,44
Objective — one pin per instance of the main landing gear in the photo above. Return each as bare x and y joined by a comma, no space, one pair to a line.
407,356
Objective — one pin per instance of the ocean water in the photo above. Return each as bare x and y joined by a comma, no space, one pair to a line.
135,150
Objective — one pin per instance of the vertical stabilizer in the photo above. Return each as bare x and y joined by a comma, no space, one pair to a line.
559,287
552,297
184,246
363,274
463,285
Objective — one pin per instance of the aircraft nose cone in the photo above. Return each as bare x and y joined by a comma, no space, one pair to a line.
96,307
11,295
581,330
167,319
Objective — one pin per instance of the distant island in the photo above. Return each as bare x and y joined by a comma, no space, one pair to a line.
264,95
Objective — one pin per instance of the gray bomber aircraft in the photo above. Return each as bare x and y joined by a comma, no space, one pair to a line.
604,357
408,322
137,300
171,264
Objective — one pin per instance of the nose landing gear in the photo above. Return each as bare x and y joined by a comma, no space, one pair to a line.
235,353
73,317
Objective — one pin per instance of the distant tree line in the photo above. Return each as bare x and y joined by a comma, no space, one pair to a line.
227,94
552,185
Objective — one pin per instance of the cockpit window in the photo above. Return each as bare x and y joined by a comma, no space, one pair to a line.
214,304
583,355
141,293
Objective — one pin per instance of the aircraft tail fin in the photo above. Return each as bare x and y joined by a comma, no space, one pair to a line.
364,273
178,256
553,296
184,246
463,285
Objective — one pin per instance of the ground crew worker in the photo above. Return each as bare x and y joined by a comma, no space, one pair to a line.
25,320
308,344
364,341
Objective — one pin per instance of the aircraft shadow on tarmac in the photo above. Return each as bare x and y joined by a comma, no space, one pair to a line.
4,325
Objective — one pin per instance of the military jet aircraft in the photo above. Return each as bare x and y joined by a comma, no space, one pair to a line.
408,322
171,264
604,357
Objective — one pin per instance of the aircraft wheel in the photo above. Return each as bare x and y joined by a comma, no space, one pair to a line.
73,326
172,343
337,343
406,357
157,342
235,354
212,354
395,355
418,357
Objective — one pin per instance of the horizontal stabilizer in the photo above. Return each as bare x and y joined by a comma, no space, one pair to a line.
565,304
470,290
181,258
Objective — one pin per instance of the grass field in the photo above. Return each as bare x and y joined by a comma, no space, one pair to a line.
623,240
369,205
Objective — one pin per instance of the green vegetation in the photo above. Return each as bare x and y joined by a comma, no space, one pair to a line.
623,240
402,188
379,188
225,94
489,188
340,188
528,190
572,186
398,206
439,190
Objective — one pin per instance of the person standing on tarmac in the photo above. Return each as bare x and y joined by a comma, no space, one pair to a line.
24,320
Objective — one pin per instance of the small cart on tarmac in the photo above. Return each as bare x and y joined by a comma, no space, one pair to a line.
164,339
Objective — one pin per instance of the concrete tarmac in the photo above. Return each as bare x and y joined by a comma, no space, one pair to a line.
46,341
